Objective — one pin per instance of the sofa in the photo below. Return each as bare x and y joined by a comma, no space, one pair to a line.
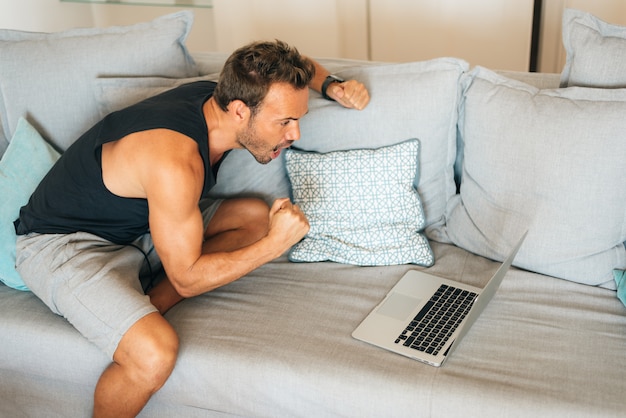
442,172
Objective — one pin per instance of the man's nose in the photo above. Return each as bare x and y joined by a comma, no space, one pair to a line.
293,134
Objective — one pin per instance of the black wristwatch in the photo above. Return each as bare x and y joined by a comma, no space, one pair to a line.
330,79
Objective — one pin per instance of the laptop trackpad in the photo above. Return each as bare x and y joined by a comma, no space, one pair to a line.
398,306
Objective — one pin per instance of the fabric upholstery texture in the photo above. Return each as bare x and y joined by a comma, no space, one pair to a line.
277,343
550,161
361,204
115,93
49,78
26,161
596,51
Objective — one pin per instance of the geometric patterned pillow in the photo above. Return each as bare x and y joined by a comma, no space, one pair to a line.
362,206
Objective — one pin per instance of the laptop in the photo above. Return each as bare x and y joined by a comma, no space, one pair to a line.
424,316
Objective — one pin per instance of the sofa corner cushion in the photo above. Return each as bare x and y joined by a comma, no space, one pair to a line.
361,204
26,161
49,77
410,100
550,161
596,51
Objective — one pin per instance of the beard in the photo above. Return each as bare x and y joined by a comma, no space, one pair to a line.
250,140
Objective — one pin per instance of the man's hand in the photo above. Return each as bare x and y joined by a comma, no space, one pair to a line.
288,225
350,94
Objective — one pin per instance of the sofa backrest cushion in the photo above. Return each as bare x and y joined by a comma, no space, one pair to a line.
551,161
411,100
596,51
49,78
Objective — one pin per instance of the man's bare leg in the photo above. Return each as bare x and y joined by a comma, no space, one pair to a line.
144,359
237,223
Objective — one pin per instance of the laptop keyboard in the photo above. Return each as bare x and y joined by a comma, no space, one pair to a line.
436,321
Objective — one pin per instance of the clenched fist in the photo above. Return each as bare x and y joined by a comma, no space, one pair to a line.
288,225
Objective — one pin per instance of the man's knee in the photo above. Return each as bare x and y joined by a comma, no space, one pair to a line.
149,351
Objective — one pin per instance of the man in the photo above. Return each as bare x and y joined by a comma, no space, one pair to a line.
134,187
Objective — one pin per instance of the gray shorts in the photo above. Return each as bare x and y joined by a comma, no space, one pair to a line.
98,286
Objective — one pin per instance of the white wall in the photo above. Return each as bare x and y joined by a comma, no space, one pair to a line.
320,28
491,33
398,30
54,15
43,15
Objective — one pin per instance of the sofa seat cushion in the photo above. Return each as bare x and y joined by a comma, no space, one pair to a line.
49,78
551,161
278,343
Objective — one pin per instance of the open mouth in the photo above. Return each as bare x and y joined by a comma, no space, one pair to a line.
279,148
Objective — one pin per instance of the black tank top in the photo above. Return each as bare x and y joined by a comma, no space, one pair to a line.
72,197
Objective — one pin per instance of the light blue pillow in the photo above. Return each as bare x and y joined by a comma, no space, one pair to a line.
620,282
361,204
26,161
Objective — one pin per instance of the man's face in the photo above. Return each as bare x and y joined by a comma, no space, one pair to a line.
276,125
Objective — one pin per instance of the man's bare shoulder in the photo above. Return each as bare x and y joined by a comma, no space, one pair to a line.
143,160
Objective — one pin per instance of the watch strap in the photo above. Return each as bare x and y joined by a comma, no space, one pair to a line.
330,79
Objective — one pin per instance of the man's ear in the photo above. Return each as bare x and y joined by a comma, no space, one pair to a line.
239,111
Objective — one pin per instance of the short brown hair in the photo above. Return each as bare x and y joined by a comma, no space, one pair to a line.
250,71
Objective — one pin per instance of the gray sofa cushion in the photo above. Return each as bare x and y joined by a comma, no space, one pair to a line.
277,343
551,161
596,51
49,78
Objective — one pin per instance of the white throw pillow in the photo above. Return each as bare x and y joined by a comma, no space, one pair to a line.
551,161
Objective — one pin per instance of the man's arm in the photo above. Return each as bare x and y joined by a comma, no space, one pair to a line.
177,231
350,94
